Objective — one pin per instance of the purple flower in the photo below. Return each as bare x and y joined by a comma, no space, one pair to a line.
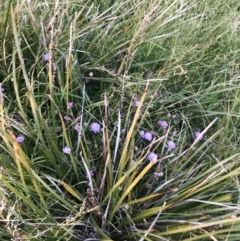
46,57
198,135
171,145
70,105
146,135
152,156
20,138
90,174
95,127
163,124
138,103
77,127
66,150
67,118
142,134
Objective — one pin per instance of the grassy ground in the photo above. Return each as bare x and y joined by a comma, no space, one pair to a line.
119,120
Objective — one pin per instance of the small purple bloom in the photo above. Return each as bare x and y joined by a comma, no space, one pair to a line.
1,89
46,57
163,124
198,135
146,135
95,127
142,134
152,156
20,138
90,174
77,127
70,105
171,145
138,103
67,118
66,150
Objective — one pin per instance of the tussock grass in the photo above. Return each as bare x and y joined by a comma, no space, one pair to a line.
123,65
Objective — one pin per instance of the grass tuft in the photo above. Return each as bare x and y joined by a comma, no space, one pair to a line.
119,120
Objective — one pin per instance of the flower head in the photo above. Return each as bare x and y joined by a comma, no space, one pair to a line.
171,145
77,127
70,105
20,138
95,127
152,156
138,103
198,135
90,174
142,134
146,135
66,150
46,57
163,124
67,118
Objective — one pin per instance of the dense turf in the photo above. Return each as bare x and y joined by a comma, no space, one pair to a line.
119,120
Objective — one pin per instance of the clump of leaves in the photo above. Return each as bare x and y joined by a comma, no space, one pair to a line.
88,152
106,180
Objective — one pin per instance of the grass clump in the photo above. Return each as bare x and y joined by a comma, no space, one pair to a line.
119,120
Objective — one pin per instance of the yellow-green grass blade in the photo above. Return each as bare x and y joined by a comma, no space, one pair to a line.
130,188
